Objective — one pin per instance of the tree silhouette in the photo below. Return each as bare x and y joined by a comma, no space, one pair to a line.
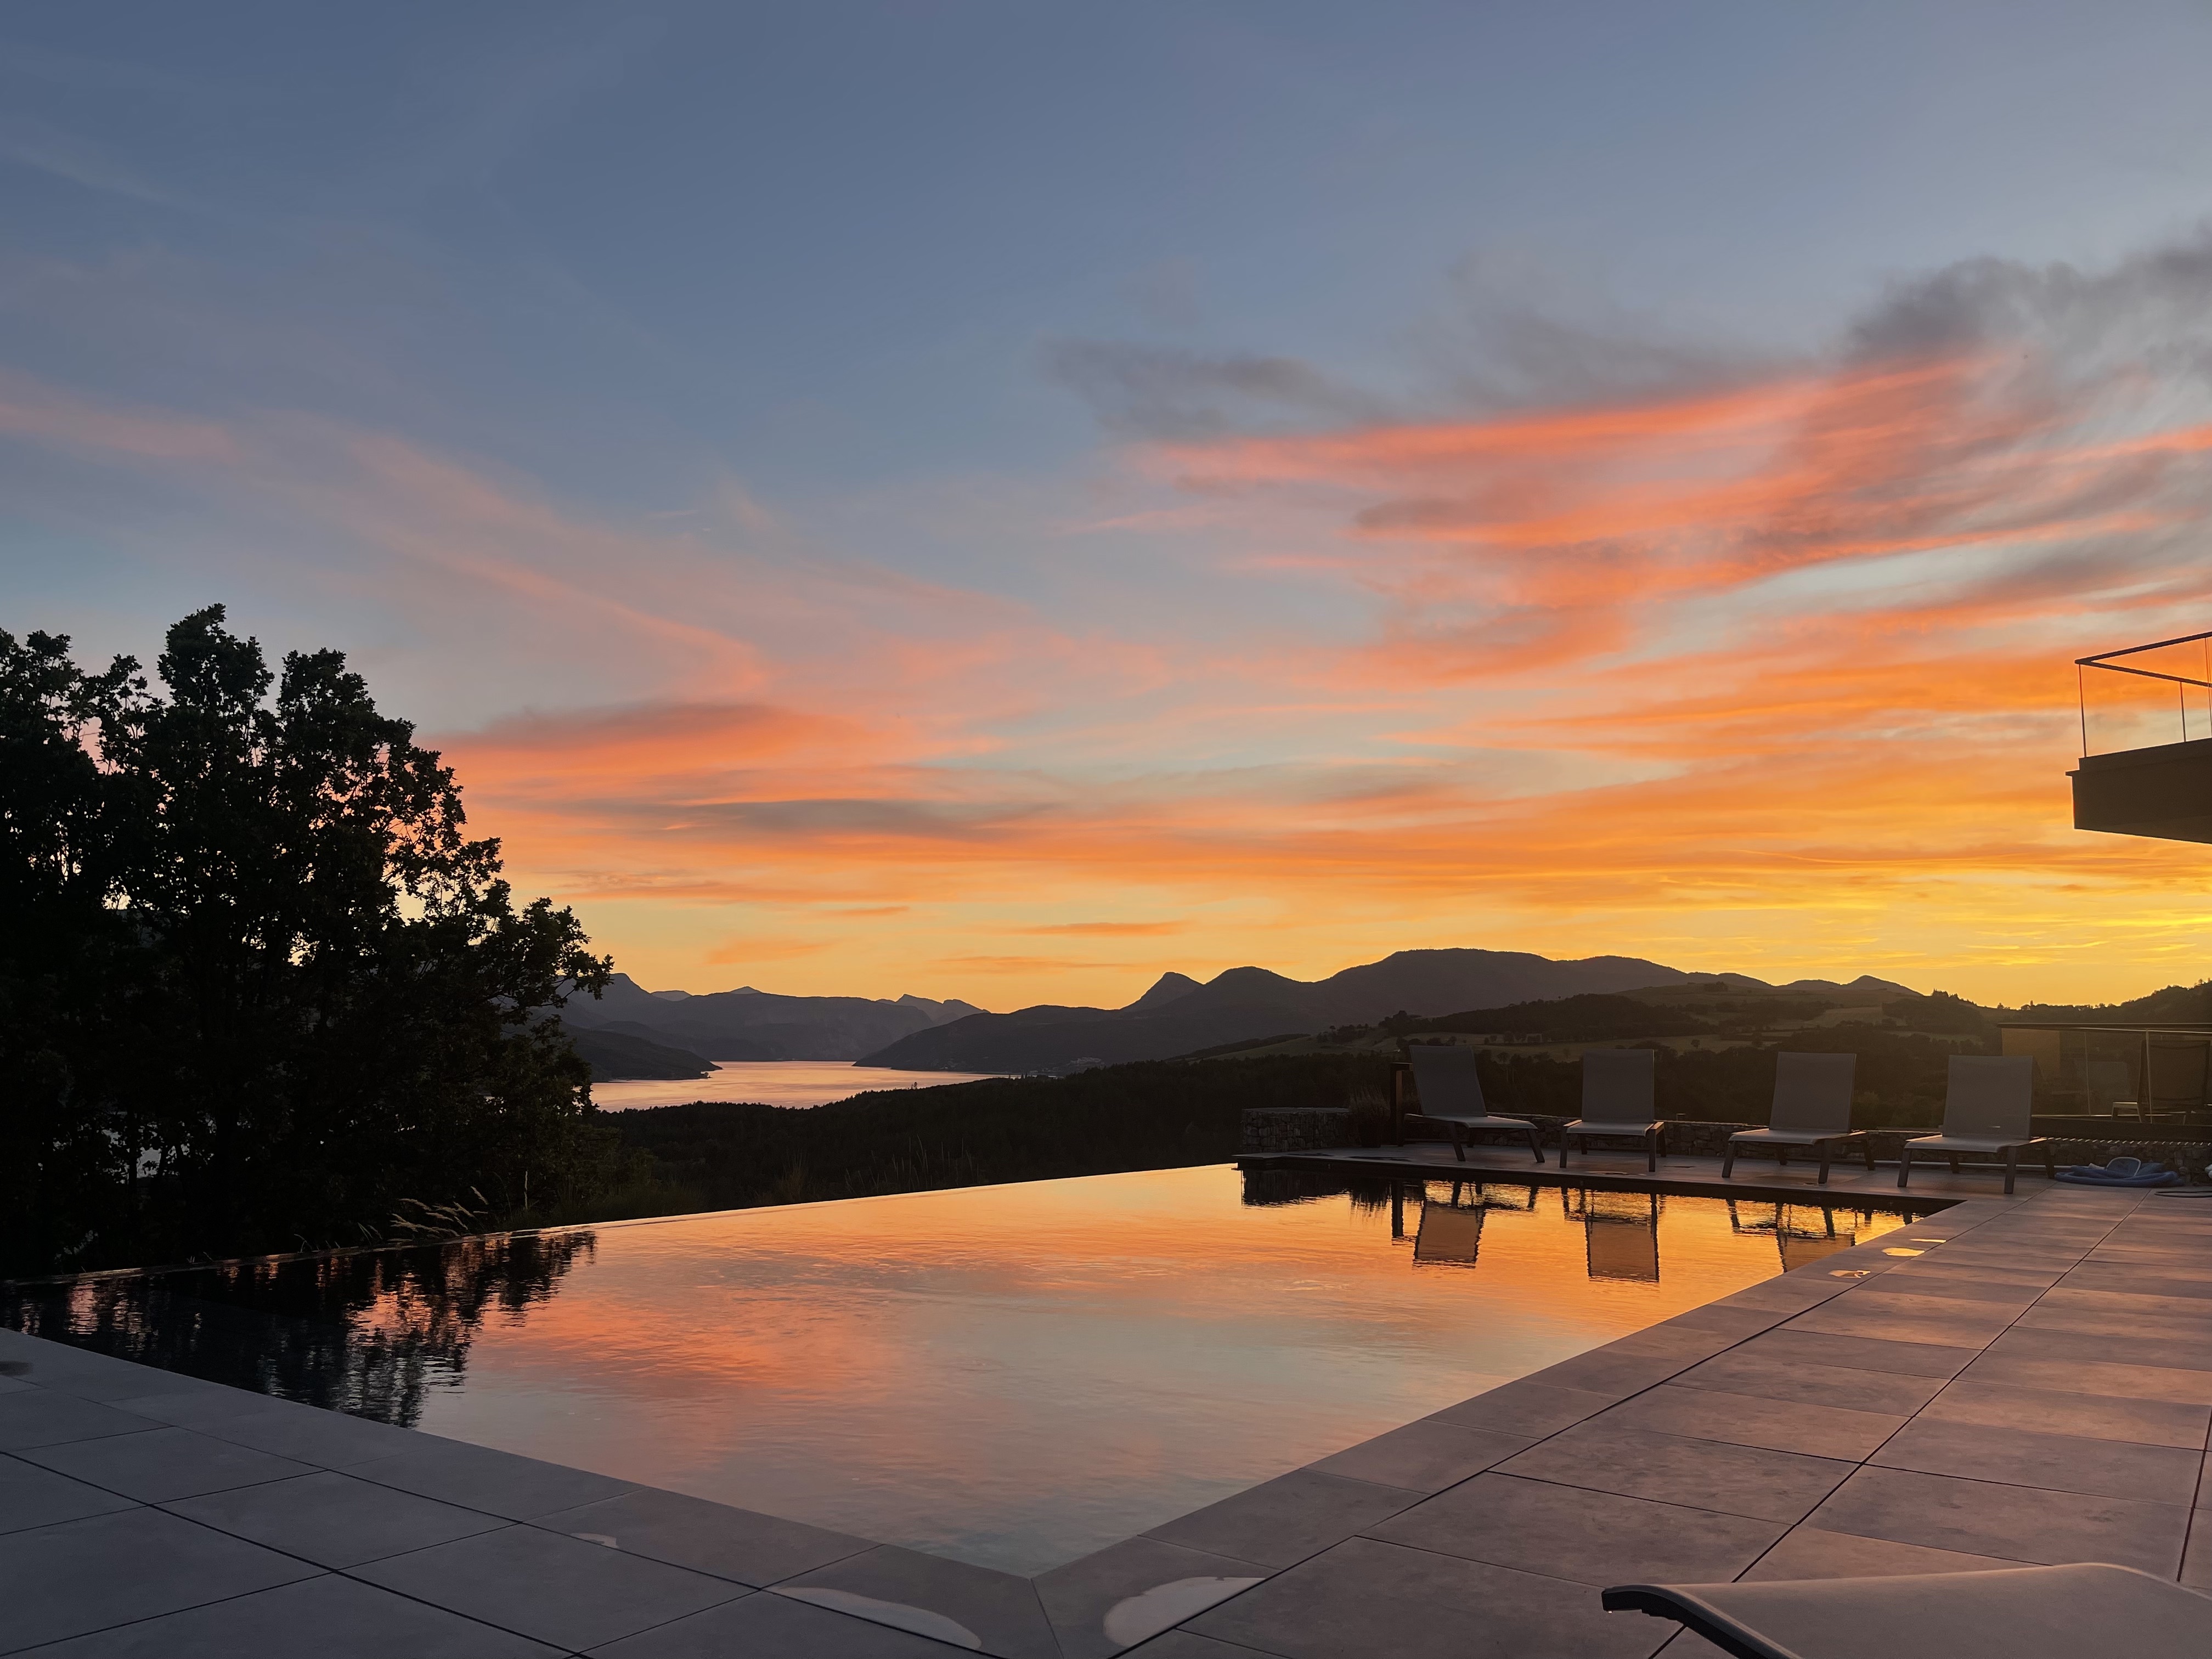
257,988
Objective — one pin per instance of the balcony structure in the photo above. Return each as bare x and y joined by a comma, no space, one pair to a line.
2147,741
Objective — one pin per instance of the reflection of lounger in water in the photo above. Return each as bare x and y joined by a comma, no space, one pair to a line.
2120,1172
1448,1235
1621,1230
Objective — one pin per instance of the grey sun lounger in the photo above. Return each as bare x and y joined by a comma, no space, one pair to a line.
1986,1109
1811,1107
1618,1089
1451,1094
2083,1612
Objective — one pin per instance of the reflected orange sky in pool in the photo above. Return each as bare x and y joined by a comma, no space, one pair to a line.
1018,1375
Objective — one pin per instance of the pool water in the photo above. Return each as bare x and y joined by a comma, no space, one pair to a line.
1010,1375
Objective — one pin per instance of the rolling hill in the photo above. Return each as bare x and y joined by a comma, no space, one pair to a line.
749,1024
1179,1015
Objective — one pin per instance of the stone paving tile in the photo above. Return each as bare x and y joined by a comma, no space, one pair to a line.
711,1538
1134,1590
2056,1462
1364,1598
1688,1644
82,1576
551,1589
1605,1456
33,1497
1746,1420
1982,1517
2150,1311
1634,1362
2091,1416
1738,1323
1810,1552
323,1617
775,1627
163,1463
1787,1294
39,1417
497,1482
81,1372
307,1434
1859,1353
1909,1319
1423,1457
2115,1347
1987,1295
1570,1532
1286,1519
2138,1281
1747,1371
1934,1268
331,1519
2196,1564
1530,1408
1190,1644
930,1595
2079,1376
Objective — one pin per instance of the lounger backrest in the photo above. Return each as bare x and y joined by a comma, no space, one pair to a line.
1813,1093
1618,1087
1446,1080
1989,1096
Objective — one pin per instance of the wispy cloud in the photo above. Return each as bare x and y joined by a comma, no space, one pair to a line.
1751,664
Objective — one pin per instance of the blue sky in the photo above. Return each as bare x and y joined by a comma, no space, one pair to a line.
815,314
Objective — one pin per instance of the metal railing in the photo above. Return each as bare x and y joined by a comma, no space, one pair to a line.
2145,1072
2131,708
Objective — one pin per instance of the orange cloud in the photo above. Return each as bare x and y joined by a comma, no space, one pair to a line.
1772,675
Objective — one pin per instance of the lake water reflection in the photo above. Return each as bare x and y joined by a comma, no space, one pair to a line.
771,1083
1013,1375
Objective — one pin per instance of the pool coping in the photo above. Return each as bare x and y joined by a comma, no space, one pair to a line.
1423,1532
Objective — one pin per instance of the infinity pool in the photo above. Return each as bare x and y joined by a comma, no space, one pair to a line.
1012,1376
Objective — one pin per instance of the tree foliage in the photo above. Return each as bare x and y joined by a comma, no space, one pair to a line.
259,988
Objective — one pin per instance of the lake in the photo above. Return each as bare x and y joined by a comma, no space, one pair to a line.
772,1082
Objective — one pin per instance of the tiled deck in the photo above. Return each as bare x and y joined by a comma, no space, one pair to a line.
2036,1386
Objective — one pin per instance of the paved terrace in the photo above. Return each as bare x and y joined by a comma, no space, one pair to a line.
2035,1386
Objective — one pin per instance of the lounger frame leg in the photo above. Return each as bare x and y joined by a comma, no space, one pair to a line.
1459,1143
1566,1140
1651,1151
1536,1142
1824,1146
1865,1146
1905,1165
2049,1162
2012,1168
1728,1160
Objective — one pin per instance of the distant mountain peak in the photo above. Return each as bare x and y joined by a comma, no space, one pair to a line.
1165,989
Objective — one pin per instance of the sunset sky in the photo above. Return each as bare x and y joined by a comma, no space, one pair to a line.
999,501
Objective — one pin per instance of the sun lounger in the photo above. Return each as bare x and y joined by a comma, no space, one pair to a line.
1617,1096
1811,1107
1451,1094
1986,1110
2080,1612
